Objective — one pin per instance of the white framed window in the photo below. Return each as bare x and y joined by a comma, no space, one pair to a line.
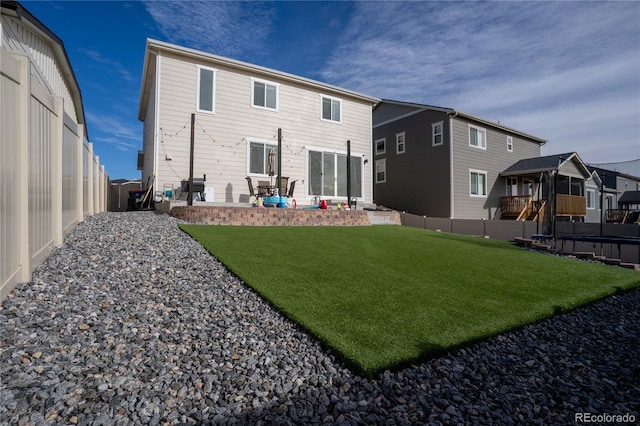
206,89
381,146
259,157
591,199
477,183
436,134
264,94
331,109
510,143
477,137
327,174
400,144
381,170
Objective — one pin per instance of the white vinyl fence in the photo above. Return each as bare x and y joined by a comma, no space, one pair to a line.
50,178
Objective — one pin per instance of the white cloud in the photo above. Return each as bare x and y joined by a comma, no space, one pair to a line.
114,130
565,71
114,65
226,28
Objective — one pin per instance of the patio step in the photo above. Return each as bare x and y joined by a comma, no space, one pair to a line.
609,261
384,217
634,266
526,242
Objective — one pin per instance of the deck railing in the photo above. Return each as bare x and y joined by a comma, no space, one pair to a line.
513,205
567,205
571,205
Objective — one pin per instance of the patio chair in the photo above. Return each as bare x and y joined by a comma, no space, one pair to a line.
284,180
291,188
263,187
252,192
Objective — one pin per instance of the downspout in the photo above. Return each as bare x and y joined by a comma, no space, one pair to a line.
451,191
156,131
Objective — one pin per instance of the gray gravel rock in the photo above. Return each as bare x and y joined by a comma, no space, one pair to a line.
132,322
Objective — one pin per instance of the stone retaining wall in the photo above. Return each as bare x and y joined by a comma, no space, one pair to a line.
251,216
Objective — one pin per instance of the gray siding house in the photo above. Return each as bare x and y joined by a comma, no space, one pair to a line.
611,204
441,162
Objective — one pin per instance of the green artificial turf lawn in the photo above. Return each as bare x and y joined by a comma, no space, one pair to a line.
385,296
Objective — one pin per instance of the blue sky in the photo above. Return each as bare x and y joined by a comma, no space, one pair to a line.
568,72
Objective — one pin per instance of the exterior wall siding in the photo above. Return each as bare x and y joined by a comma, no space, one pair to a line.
493,160
150,134
571,169
593,214
222,138
624,183
417,181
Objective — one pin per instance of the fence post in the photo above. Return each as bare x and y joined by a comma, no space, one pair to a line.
90,179
78,176
56,171
96,184
22,187
103,192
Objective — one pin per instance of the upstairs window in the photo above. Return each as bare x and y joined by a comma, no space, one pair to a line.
477,137
509,143
381,146
331,109
265,95
436,134
206,89
400,145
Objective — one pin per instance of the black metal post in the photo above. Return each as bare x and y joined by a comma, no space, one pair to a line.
555,197
602,203
539,205
555,204
190,193
349,173
279,182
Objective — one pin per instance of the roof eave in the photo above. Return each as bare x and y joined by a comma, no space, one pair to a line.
507,129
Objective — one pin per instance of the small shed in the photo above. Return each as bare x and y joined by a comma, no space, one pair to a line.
119,193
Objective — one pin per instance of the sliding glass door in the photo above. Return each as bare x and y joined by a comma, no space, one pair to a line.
328,174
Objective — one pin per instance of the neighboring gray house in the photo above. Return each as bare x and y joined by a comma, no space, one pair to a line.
239,109
441,162
618,188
